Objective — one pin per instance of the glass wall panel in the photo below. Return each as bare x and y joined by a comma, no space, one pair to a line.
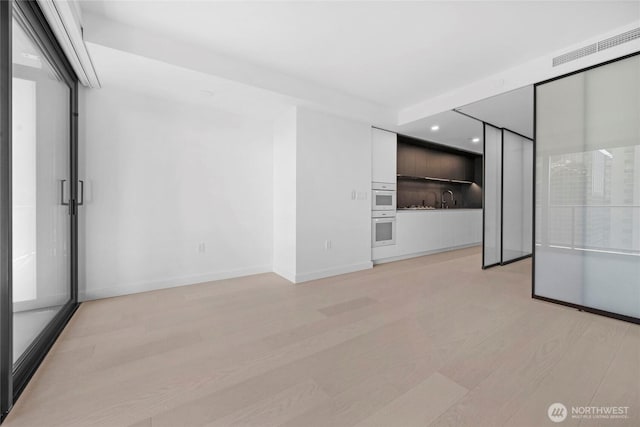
517,199
41,141
492,186
588,188
38,194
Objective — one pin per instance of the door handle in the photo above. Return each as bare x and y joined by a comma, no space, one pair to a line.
62,202
81,202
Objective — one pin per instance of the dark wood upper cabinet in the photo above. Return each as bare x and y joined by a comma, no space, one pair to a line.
406,160
447,166
457,167
478,173
424,161
469,170
436,163
400,159
414,153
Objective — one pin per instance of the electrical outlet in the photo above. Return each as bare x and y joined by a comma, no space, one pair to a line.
327,245
358,195
202,248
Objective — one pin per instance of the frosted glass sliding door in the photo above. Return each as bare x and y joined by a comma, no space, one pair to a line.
517,196
492,184
587,250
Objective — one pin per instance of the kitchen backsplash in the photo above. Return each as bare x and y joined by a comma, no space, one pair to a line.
430,193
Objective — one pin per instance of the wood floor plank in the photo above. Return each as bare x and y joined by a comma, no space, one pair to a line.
621,383
399,344
499,396
142,423
363,398
274,410
419,406
471,367
353,304
568,382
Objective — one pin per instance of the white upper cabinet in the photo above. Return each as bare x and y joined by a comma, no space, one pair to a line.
383,156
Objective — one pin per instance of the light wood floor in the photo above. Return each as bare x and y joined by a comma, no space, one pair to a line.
431,341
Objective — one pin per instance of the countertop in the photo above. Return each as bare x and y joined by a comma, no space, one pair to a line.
436,210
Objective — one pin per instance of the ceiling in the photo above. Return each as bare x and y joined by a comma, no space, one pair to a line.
454,129
511,110
165,81
390,53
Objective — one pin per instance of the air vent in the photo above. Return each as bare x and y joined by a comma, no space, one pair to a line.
619,39
597,47
575,54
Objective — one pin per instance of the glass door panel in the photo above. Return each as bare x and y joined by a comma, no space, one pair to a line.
517,194
492,196
41,229
587,249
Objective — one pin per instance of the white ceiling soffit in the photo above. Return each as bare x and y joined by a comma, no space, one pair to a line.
512,110
535,70
157,79
389,54
453,129
64,19
158,46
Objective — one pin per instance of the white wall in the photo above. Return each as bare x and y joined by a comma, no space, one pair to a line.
333,165
322,210
284,194
162,179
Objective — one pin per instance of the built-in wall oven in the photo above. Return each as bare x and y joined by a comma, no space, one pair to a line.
383,196
383,228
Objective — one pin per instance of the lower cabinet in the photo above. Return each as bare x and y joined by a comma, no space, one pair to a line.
430,231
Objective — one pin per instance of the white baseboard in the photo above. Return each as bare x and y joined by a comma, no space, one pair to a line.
320,274
419,254
134,288
288,275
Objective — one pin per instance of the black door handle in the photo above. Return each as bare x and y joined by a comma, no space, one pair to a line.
81,202
62,202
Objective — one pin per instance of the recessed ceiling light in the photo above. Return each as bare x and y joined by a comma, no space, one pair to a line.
435,128
475,140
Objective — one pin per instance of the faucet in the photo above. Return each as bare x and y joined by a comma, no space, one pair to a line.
444,204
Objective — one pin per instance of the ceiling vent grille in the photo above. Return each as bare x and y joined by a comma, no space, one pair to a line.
619,39
575,54
597,47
